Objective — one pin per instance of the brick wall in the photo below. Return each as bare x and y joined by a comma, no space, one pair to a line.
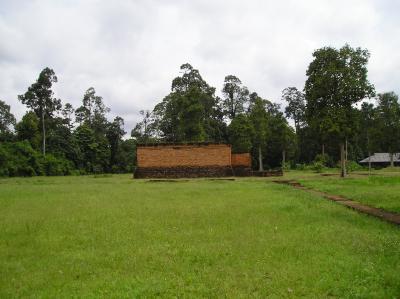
241,160
184,155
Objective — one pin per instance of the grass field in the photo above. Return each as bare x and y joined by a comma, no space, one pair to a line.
117,237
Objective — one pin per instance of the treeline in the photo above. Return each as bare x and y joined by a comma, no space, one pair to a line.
53,138
334,119
337,117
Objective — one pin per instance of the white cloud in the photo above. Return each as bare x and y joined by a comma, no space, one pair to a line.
131,50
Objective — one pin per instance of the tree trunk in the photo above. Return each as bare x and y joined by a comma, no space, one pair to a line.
283,158
260,162
345,157
323,149
391,160
44,135
342,161
369,162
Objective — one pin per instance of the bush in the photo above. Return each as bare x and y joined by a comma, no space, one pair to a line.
20,159
353,166
324,159
301,166
286,166
56,166
318,167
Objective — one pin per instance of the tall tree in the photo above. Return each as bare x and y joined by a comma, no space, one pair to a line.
7,120
282,142
93,112
115,132
240,134
190,112
259,119
143,130
67,112
236,96
40,98
296,105
336,81
388,118
367,120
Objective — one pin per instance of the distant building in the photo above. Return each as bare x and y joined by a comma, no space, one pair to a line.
381,159
190,160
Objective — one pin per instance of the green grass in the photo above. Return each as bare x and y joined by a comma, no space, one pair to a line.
377,191
117,237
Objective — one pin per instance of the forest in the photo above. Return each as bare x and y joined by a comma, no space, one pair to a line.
335,120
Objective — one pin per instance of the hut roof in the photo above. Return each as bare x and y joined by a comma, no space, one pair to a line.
381,158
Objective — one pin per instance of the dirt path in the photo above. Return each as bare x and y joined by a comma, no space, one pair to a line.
382,214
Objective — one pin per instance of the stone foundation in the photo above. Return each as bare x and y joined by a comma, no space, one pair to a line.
183,172
242,171
268,173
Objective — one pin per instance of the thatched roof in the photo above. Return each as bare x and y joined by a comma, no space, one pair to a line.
381,158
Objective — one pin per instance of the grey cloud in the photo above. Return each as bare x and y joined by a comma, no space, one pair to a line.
131,50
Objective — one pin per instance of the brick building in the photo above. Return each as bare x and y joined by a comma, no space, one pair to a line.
190,160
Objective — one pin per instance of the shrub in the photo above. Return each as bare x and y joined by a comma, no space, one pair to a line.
57,165
353,166
324,159
318,167
301,166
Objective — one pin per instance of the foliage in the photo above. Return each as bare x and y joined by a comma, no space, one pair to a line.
336,80
353,166
259,119
240,134
318,167
325,115
324,159
236,96
189,113
295,108
7,120
388,122
40,98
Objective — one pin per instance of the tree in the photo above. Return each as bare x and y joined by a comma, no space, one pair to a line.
259,120
235,97
115,132
40,98
282,140
296,106
28,129
93,112
367,120
127,155
388,118
240,134
7,120
336,81
94,149
67,113
190,112
143,130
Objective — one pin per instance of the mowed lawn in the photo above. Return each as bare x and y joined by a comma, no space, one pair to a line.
377,191
116,237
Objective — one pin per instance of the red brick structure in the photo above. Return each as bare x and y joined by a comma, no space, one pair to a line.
193,160
241,160
183,160
241,164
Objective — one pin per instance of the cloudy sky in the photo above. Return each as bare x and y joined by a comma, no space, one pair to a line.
129,51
